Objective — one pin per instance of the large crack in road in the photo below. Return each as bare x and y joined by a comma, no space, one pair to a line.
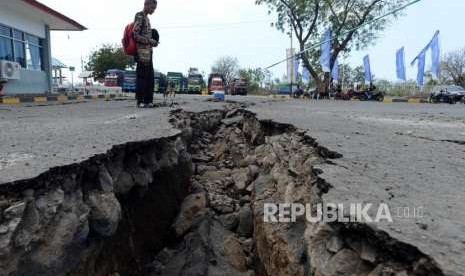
192,204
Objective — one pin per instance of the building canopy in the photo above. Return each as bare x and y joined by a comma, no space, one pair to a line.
36,10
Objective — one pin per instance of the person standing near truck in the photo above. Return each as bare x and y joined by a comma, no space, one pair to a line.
145,81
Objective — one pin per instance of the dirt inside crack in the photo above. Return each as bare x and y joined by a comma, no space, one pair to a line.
192,204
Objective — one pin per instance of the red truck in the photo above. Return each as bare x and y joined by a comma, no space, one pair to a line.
238,87
216,82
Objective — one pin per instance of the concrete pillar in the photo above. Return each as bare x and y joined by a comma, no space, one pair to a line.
48,57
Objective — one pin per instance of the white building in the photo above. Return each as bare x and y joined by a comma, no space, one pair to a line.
25,54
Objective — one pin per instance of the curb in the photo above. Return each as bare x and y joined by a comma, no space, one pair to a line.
403,100
283,97
54,98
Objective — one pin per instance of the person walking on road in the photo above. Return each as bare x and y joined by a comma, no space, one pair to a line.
145,43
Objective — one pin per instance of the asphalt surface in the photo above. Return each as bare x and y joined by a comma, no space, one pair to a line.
405,155
37,137
410,156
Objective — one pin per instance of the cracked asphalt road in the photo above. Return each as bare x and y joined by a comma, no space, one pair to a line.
406,155
410,156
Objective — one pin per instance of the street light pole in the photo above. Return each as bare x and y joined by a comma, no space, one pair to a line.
291,92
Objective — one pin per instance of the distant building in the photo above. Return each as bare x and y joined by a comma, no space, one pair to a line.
25,54
57,73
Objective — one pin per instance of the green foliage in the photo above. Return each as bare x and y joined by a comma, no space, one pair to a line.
453,67
256,78
308,20
107,57
227,66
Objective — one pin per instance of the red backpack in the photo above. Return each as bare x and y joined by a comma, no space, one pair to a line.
129,43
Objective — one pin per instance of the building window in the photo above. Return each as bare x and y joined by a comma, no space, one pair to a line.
34,50
6,47
23,48
20,53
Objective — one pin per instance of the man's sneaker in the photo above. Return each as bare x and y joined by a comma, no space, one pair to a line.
150,105
141,105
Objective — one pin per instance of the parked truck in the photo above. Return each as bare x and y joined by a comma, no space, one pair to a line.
129,83
195,82
114,78
238,87
161,83
216,82
178,80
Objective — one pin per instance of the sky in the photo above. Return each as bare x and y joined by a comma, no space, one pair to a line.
196,33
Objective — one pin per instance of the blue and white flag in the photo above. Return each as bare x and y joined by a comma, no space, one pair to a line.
335,71
427,47
434,45
421,69
436,56
366,63
305,75
325,59
400,64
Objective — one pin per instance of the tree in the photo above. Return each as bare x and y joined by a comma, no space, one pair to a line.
227,66
257,77
308,20
350,76
453,67
107,57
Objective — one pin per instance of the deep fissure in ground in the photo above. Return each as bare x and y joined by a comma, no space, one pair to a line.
191,204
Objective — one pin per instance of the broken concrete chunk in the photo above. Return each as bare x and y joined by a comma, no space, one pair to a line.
124,184
105,213
369,253
335,244
190,208
346,262
241,179
245,227
232,121
14,211
234,254
142,177
230,221
105,180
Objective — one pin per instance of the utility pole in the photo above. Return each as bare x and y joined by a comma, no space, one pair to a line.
291,92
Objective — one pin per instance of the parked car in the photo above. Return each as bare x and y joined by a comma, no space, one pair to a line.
447,93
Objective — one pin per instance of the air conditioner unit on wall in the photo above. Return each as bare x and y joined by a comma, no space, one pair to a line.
9,70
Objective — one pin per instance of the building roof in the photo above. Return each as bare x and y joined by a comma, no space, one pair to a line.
58,64
36,10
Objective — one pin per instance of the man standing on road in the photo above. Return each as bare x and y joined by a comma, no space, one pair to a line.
143,36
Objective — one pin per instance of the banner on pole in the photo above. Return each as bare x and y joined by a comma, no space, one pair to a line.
421,69
325,59
400,64
436,56
366,63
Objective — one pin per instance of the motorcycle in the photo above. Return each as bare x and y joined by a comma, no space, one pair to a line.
343,95
368,95
372,96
